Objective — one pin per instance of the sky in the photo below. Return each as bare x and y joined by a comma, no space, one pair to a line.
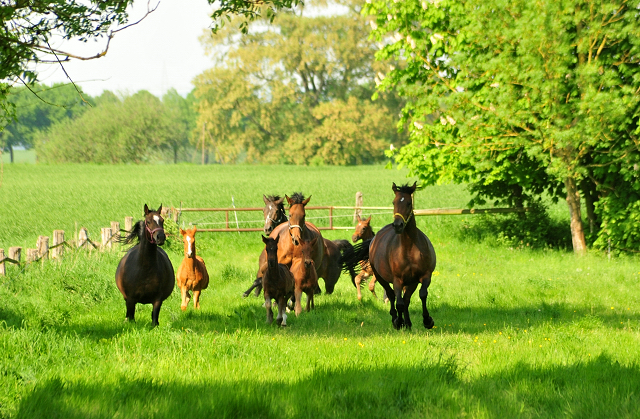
159,53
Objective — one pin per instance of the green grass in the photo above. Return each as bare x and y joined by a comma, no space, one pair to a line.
519,332
19,156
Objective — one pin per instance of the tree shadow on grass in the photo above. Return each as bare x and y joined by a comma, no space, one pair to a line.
438,388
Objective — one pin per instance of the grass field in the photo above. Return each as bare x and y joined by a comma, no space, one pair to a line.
519,332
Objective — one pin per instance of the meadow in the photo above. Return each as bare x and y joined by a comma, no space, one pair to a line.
520,332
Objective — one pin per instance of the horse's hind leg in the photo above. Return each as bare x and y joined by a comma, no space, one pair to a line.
427,320
372,285
156,313
256,283
358,281
196,299
185,297
131,310
267,306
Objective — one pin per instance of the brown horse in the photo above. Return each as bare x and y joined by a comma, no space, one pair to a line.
290,234
274,213
365,232
304,274
278,282
402,255
145,274
192,273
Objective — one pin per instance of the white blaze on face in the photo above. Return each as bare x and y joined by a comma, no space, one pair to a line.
189,251
157,219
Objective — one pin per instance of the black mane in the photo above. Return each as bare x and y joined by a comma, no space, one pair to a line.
406,188
273,198
136,233
297,198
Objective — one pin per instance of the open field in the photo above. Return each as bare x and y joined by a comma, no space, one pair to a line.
519,332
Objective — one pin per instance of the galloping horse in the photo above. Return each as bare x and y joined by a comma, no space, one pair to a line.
304,274
274,213
192,273
145,274
365,232
277,281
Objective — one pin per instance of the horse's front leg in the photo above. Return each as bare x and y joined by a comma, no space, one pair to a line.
155,313
131,310
185,297
400,304
406,298
388,291
267,306
358,280
196,299
427,320
282,312
298,297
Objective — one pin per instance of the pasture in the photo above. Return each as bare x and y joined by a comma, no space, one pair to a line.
519,332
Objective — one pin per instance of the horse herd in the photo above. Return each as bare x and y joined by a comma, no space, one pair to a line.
399,257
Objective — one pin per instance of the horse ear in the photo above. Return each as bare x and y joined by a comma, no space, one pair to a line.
264,198
279,201
395,188
413,188
159,209
146,209
368,220
289,200
182,231
277,239
306,201
314,241
264,239
195,228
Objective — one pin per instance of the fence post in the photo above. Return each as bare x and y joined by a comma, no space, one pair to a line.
3,271
43,247
358,211
115,231
15,253
32,255
83,237
128,224
58,238
106,238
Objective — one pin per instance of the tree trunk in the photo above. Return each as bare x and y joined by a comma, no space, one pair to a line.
590,198
573,201
518,201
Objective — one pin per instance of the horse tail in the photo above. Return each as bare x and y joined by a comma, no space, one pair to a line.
130,236
353,256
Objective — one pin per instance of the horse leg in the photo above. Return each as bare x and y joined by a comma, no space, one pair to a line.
185,297
196,299
388,291
155,314
427,320
298,305
131,310
282,311
372,286
256,283
267,306
310,302
400,305
358,281
408,292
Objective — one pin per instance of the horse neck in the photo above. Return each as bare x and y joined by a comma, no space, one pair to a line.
147,250
191,260
368,234
281,216
273,272
410,232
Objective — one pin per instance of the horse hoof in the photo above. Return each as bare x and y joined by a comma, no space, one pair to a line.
183,308
428,323
397,324
245,295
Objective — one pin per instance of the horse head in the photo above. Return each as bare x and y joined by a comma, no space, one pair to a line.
271,247
402,206
305,251
273,211
363,229
296,216
154,225
189,239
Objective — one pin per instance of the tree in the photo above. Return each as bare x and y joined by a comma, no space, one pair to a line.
34,113
180,118
538,95
272,89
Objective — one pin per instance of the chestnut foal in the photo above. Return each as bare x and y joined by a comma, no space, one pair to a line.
365,232
192,274
304,273
277,282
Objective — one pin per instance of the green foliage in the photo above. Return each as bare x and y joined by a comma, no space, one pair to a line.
132,130
295,90
516,98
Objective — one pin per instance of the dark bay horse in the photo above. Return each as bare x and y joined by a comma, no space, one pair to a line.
278,282
192,273
402,255
274,213
145,274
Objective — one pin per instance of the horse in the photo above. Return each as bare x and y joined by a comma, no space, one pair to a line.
402,255
290,234
145,274
365,232
278,282
274,213
192,273
304,274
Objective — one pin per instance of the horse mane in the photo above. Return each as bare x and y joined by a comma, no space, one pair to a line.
406,188
135,233
297,198
273,198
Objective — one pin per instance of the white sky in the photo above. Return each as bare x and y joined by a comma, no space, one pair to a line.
157,54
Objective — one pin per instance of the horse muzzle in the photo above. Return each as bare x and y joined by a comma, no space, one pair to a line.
159,238
355,238
398,225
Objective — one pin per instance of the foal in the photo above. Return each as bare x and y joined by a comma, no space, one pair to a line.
304,273
277,282
365,232
192,273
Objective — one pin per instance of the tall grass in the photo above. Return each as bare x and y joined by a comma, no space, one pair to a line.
519,332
